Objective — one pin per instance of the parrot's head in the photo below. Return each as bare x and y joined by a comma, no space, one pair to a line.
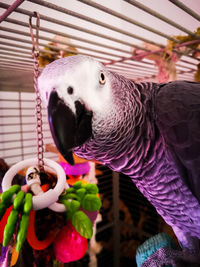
83,102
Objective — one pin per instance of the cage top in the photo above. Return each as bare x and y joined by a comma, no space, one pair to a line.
114,32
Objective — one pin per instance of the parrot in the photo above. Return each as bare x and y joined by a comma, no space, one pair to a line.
146,130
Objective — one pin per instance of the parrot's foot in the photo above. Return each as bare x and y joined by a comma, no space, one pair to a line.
160,250
172,258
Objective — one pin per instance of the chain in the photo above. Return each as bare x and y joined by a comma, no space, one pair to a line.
38,108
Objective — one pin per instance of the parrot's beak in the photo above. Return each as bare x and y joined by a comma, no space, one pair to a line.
69,130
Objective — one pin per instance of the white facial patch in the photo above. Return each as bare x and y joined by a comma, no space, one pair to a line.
83,77
87,88
95,95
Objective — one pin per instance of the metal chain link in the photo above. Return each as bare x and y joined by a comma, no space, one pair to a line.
38,108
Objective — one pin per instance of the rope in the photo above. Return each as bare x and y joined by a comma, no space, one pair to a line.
38,108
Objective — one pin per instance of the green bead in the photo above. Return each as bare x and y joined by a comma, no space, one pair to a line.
91,188
81,192
8,194
71,196
10,227
21,236
18,201
28,203
70,190
67,203
77,185
91,202
75,205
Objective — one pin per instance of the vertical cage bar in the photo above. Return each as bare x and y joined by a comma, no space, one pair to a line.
116,209
21,126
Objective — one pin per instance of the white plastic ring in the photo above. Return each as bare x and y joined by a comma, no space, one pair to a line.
47,199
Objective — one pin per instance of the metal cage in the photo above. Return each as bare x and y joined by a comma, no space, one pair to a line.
113,32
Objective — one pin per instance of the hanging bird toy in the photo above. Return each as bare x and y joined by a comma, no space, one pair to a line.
18,205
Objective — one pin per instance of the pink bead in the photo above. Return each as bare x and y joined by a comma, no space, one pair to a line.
77,169
69,245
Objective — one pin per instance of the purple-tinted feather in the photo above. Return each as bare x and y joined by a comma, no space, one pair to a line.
141,149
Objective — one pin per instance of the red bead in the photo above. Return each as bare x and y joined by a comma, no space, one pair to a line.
69,245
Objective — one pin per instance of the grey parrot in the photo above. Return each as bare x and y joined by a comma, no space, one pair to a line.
148,131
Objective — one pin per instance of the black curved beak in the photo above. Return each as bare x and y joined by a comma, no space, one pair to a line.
68,130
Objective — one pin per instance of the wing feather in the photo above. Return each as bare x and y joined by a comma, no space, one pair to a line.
177,110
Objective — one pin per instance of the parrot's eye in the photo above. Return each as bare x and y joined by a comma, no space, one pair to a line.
102,78
70,90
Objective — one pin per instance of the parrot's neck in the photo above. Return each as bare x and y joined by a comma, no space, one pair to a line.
134,143
141,144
